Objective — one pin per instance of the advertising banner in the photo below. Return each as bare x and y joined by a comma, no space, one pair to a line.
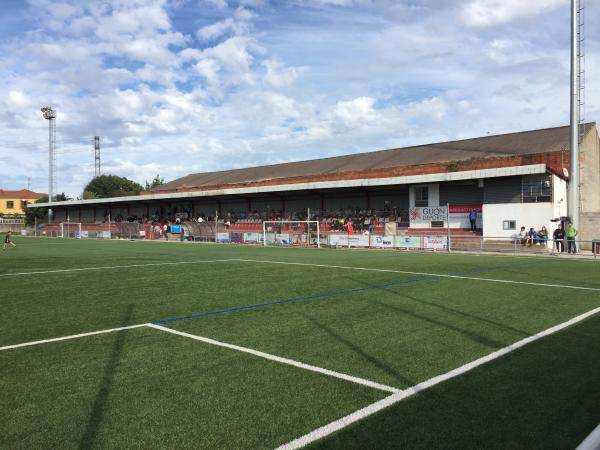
252,238
85,233
282,238
382,241
222,237
421,217
435,242
175,228
236,238
354,240
407,242
104,234
459,216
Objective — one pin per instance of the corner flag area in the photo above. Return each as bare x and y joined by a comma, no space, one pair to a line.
117,344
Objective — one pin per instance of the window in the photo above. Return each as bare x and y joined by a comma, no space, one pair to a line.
421,196
24,204
10,204
536,188
509,224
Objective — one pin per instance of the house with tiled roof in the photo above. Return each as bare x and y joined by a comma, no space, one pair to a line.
15,202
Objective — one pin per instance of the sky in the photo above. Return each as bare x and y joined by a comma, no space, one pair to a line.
174,87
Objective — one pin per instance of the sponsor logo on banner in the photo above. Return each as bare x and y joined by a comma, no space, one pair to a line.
355,240
435,242
252,238
282,238
407,242
465,209
382,241
459,216
222,237
236,238
421,217
84,233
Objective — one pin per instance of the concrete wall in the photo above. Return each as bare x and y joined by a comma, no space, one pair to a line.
559,196
525,214
589,171
589,229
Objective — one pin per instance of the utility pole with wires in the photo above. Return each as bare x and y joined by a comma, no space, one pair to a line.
96,156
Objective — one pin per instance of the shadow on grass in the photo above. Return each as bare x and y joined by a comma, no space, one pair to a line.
356,349
544,395
491,343
470,316
97,413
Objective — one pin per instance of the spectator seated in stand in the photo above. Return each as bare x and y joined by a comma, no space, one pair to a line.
542,236
522,236
531,237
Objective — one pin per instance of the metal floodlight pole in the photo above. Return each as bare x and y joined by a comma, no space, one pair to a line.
50,115
573,189
96,156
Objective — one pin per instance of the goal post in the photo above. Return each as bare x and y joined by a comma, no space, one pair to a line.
70,230
305,233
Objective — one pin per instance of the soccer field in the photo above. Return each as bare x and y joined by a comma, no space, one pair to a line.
167,345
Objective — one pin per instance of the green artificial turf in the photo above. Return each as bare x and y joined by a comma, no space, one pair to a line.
392,328
543,396
145,388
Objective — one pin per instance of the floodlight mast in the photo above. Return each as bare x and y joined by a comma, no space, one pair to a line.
50,115
573,203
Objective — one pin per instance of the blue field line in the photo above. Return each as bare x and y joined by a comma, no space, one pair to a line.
331,294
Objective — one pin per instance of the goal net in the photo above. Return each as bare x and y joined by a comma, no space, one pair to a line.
70,230
305,233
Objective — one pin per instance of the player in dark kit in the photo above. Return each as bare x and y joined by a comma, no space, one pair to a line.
8,240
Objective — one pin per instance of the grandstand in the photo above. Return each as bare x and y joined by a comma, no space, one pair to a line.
510,180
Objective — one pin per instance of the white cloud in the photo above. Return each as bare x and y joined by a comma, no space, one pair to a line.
483,13
278,75
258,83
359,110
216,30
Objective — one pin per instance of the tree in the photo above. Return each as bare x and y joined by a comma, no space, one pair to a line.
157,181
105,186
87,195
41,214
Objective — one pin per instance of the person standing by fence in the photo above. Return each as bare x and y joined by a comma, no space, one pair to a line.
559,238
571,234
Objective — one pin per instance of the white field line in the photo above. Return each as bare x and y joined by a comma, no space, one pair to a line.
592,442
74,336
399,396
279,359
440,275
80,269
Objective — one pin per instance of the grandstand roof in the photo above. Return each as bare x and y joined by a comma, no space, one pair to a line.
499,146
21,194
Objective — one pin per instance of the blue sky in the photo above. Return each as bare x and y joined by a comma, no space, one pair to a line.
181,86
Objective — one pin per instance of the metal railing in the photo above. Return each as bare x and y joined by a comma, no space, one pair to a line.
209,232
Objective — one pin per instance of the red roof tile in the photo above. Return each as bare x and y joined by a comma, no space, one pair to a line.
21,194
